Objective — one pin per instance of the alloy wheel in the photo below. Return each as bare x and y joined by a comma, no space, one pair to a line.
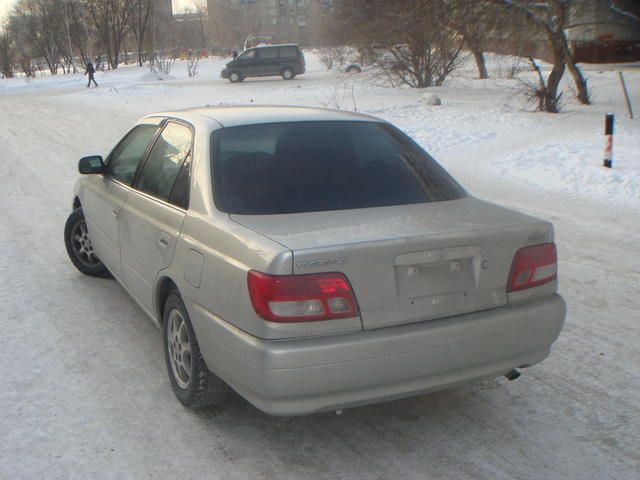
82,247
179,346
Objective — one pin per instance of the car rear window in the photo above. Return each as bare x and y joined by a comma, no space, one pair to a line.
288,52
319,166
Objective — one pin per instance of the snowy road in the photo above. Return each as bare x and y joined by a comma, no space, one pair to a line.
85,393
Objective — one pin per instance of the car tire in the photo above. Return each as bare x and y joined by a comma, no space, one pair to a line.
79,247
192,382
235,77
354,68
288,73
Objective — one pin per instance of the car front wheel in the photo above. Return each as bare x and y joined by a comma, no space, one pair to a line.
80,248
235,77
192,382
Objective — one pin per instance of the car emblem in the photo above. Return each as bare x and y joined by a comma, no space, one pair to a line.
321,262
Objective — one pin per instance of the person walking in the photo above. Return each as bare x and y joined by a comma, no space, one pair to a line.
90,71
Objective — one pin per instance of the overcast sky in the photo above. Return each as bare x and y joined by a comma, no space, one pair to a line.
178,5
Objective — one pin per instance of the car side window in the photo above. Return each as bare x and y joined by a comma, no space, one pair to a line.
248,55
180,193
268,53
125,158
165,161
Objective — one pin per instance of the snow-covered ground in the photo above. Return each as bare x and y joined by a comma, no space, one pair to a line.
85,393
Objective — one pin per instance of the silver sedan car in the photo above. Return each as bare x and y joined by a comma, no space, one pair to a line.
312,260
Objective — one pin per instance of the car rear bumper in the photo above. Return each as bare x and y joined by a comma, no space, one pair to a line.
300,376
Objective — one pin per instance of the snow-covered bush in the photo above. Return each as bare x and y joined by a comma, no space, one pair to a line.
192,65
333,56
432,99
161,65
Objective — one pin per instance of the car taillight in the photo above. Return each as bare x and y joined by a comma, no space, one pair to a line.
533,266
301,298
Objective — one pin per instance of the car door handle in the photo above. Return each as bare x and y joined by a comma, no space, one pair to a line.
164,240
115,212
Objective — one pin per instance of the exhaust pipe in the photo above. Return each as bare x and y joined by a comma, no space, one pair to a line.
512,375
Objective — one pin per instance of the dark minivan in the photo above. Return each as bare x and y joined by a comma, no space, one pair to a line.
266,61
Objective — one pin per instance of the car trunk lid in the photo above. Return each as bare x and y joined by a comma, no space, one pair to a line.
410,263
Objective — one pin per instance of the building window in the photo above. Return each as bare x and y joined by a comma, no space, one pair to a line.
302,20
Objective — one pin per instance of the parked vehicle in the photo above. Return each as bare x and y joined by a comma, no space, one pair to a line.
312,259
285,60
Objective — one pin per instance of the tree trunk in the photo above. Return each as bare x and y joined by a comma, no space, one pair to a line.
578,78
553,81
140,47
480,62
109,47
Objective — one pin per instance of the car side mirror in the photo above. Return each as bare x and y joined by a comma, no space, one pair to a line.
91,165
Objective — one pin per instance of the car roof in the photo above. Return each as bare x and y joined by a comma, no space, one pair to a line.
239,115
277,45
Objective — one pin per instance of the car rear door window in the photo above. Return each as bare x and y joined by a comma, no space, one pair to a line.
180,193
124,159
319,166
288,52
169,153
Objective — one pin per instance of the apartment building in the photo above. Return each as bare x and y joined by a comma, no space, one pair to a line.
232,21
605,31
598,31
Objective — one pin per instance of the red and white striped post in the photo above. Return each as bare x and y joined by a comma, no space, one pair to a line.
608,135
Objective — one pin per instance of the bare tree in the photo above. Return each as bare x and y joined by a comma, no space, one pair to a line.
419,47
24,54
200,11
628,9
7,56
551,17
221,31
140,21
189,28
477,23
42,34
112,21
80,31
64,17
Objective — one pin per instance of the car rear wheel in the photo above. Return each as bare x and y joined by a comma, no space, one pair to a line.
192,382
80,248
288,74
235,77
